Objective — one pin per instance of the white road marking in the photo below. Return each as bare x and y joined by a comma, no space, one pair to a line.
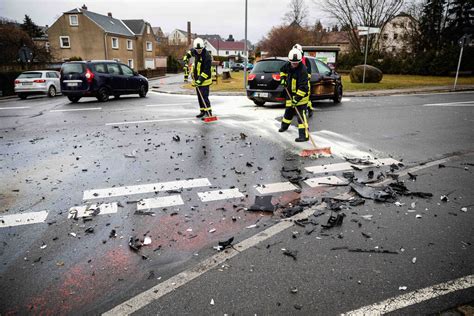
145,188
466,103
347,166
346,99
75,110
220,195
173,283
276,187
15,108
167,104
433,93
415,297
164,201
317,182
153,121
23,219
89,210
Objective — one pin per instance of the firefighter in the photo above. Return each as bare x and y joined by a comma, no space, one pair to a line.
308,66
296,83
201,75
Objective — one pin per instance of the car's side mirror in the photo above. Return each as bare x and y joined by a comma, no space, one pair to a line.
135,73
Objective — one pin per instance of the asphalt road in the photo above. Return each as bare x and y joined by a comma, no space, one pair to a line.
53,153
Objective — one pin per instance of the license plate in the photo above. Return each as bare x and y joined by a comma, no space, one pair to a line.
27,83
261,94
72,84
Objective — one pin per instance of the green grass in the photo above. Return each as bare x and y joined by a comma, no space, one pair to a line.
388,82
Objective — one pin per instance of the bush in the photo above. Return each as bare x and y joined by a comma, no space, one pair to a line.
173,65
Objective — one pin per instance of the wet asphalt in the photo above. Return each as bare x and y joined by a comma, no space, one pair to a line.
50,158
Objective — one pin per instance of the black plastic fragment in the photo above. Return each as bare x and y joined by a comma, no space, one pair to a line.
263,204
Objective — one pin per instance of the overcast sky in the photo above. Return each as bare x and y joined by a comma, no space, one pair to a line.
221,17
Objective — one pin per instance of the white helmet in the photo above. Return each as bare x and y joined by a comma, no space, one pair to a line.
295,55
198,43
298,47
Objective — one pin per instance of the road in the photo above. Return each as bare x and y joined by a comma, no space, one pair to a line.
154,170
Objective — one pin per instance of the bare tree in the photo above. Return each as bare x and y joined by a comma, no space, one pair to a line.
353,13
298,12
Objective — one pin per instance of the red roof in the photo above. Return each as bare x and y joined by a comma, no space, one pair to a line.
223,45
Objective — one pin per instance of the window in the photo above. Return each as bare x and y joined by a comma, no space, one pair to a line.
385,36
227,52
113,69
129,44
115,43
72,68
126,70
149,46
29,75
47,46
130,63
73,21
64,42
395,36
51,75
323,69
100,68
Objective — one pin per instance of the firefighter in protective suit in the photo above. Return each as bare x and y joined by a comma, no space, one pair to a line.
201,75
296,83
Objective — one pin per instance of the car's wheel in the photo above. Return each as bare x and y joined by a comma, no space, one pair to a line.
338,94
74,99
103,95
22,96
259,103
142,91
51,92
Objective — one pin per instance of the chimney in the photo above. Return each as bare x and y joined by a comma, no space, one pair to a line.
189,32
84,7
109,14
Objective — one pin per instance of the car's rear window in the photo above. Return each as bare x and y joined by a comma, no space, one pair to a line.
269,66
27,75
72,68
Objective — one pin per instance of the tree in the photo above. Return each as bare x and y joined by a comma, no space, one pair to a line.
353,13
297,14
281,39
460,20
11,40
31,28
432,25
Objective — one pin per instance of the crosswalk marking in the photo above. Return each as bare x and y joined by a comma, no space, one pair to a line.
90,210
145,188
323,181
23,219
15,108
347,166
220,195
157,202
276,187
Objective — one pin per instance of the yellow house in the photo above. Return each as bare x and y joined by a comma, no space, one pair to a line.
92,36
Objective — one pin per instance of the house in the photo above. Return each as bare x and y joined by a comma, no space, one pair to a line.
337,39
160,36
395,35
232,50
89,35
180,37
208,37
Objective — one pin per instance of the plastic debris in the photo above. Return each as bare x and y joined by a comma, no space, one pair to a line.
133,154
290,253
399,204
224,244
147,241
263,204
413,260
176,138
73,234
367,217
402,288
251,226
212,302
334,221
134,243
444,198
418,216
212,230
464,209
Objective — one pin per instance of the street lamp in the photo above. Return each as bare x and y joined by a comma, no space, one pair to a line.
245,49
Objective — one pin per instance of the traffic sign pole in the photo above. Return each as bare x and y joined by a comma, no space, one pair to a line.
459,66
366,48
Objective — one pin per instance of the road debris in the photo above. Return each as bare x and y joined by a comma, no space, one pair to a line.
176,138
212,302
464,209
444,198
413,260
334,221
224,244
290,253
133,154
147,241
402,288
263,204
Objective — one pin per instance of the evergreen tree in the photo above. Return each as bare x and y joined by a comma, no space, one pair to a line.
31,28
459,20
432,25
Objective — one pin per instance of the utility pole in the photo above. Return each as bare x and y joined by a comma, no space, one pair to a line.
245,48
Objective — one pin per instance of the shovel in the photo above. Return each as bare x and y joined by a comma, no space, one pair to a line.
316,150
209,117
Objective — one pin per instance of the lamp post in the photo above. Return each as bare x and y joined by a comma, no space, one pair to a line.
245,49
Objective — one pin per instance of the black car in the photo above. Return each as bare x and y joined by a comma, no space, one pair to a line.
100,79
264,81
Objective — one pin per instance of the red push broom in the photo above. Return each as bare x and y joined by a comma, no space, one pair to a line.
316,150
209,117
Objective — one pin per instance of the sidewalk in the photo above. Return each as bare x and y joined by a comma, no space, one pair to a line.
172,84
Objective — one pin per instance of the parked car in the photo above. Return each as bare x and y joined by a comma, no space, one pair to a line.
264,81
239,66
100,79
37,82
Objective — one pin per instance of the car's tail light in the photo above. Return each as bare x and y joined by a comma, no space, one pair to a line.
251,77
280,99
17,81
89,75
39,81
276,77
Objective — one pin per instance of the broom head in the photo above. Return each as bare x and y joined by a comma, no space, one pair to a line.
316,151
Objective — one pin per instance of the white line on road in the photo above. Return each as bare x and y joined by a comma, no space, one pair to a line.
347,166
164,201
276,187
75,110
23,219
415,297
346,99
15,108
220,195
145,188
324,181
466,103
90,210
153,121
167,104
433,93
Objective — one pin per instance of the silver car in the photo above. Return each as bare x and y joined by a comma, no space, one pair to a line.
38,82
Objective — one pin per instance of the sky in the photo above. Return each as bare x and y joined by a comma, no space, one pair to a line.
221,17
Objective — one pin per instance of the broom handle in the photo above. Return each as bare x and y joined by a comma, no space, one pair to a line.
304,122
200,95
